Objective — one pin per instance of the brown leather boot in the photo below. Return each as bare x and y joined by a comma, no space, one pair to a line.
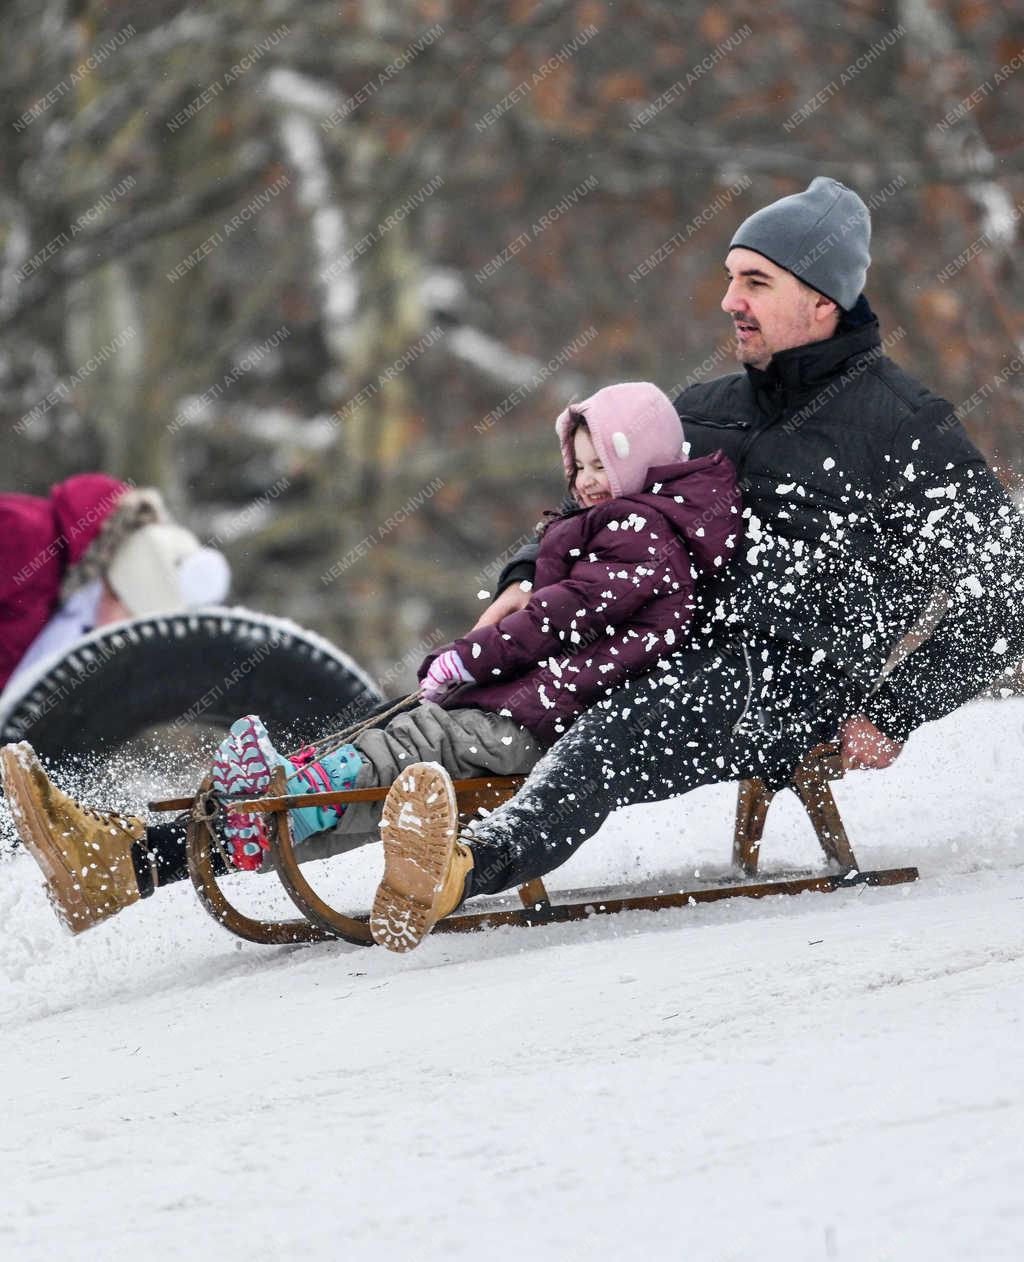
85,854
426,866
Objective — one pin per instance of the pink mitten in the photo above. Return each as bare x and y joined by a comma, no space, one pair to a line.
446,671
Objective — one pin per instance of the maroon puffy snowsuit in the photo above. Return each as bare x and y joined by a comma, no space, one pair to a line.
39,540
613,593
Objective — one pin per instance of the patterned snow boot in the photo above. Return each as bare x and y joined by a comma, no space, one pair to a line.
242,768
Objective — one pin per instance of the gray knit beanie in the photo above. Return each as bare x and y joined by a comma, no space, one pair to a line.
820,235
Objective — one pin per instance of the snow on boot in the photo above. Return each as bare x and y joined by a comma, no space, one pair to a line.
242,767
426,867
85,854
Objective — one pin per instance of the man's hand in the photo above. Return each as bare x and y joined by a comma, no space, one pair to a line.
865,747
513,598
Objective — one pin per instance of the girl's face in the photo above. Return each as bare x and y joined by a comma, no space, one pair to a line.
592,485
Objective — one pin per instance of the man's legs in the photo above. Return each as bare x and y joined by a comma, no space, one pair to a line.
714,715
659,735
85,855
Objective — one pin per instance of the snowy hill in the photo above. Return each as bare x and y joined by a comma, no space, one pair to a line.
803,1078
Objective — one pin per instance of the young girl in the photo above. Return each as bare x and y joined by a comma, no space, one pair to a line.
614,593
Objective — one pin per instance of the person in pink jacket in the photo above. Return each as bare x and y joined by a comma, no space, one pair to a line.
94,551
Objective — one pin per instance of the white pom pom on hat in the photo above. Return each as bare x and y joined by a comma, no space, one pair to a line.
204,578
163,567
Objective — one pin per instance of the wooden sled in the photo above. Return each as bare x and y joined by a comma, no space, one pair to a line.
321,923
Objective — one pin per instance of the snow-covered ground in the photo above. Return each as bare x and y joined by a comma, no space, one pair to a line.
801,1078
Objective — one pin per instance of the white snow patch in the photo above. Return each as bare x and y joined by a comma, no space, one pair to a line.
696,1066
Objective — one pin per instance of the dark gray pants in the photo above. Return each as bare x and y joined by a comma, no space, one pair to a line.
713,714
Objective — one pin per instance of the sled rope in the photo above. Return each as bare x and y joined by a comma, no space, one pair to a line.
204,810
334,740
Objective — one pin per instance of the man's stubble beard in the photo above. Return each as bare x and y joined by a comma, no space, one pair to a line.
761,358
755,358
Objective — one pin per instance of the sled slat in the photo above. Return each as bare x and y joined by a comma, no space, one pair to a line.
752,802
533,894
258,806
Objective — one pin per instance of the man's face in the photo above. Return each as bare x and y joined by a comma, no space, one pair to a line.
771,310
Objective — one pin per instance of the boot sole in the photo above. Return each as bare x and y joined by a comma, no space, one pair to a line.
62,887
419,825
247,771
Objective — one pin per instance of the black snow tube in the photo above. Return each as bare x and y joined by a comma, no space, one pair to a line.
204,668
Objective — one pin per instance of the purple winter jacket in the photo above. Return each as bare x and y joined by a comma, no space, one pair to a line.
613,593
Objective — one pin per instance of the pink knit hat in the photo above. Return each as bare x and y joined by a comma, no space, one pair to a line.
633,426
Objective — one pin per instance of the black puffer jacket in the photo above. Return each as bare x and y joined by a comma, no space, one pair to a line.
863,496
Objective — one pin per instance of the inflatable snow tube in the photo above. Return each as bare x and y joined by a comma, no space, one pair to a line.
191,669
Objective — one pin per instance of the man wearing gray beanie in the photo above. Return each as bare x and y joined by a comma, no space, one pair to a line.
817,244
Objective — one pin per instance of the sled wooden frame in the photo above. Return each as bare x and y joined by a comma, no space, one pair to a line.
322,923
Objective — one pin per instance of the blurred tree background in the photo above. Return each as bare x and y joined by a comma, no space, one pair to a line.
326,273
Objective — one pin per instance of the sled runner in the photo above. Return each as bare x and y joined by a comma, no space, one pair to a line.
320,922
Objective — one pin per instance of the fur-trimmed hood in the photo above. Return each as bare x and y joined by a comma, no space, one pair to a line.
134,508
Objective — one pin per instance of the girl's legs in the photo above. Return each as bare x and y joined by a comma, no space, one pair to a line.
465,742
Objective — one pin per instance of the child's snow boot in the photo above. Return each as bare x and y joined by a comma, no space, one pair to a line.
427,870
242,767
